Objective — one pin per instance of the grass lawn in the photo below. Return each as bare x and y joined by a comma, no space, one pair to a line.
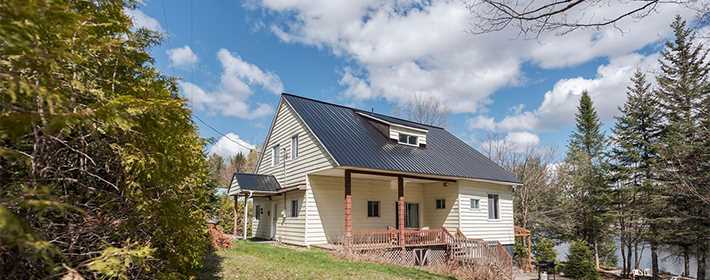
249,260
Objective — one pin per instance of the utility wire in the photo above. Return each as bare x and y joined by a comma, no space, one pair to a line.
221,133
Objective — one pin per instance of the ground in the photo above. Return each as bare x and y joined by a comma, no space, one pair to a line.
254,261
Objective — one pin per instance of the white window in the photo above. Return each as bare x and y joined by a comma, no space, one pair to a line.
294,147
408,139
493,207
275,155
294,208
475,203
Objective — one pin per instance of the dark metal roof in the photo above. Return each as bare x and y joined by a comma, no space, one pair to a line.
353,141
257,182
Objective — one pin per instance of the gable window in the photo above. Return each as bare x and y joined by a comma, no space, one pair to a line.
294,208
275,155
408,139
440,203
373,209
475,203
294,147
493,207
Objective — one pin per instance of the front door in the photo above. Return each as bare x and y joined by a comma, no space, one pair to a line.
274,220
411,215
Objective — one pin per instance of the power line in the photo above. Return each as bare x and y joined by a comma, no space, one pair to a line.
221,133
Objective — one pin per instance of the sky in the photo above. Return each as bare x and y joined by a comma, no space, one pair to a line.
233,59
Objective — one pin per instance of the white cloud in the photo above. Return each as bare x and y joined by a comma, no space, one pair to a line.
141,20
229,145
514,141
182,57
230,98
422,48
607,90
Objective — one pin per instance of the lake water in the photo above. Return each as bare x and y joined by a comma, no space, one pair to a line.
666,261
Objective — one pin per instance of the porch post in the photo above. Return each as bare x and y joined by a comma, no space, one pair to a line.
246,214
348,208
400,219
236,215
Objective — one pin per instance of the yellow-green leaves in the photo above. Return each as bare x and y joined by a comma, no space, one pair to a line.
114,263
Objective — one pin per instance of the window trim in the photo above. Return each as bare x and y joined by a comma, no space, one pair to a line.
443,203
409,137
376,214
294,208
497,216
295,147
478,203
275,153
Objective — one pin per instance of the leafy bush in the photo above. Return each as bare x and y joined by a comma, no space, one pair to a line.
520,252
580,263
102,172
544,250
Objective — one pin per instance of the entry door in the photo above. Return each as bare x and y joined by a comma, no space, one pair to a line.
274,220
411,216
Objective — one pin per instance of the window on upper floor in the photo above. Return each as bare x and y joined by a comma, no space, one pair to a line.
408,139
493,207
275,155
294,147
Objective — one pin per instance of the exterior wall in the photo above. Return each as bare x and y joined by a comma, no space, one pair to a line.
290,229
325,206
312,157
324,203
262,227
395,130
475,222
448,217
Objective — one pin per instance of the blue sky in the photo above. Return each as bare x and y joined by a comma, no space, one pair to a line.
234,58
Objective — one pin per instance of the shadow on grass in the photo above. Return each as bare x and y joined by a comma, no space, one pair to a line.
213,266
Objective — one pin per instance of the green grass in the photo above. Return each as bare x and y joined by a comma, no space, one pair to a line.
249,260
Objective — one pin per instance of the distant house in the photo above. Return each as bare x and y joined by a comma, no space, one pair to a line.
328,172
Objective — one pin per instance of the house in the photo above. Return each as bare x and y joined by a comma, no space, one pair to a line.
329,172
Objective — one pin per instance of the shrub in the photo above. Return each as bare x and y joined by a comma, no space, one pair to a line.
580,263
544,250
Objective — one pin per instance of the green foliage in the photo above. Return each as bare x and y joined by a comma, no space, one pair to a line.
520,251
580,264
115,262
544,250
97,151
583,175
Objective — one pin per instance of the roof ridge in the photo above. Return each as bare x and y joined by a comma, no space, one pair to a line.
357,110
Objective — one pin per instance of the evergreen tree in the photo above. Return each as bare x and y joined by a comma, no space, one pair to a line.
682,89
583,174
633,157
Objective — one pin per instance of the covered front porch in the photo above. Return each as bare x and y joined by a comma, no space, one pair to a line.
384,210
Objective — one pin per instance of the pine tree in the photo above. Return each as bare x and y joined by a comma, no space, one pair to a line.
634,155
583,174
682,89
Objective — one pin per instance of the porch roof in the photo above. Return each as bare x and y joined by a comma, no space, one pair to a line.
259,183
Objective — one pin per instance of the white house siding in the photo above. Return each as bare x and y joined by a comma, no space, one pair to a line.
312,157
448,217
262,227
290,229
475,222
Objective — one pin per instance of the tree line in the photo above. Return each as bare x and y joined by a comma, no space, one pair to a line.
646,183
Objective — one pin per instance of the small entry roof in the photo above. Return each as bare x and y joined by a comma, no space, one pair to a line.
258,183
